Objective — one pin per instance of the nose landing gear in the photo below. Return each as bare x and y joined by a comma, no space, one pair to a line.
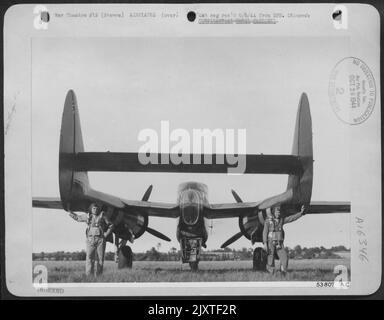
191,248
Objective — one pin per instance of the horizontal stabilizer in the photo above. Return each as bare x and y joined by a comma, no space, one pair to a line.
130,162
48,203
318,207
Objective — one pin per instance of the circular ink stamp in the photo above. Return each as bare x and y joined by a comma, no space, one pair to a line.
352,91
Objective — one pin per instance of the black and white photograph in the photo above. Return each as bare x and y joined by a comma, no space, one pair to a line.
189,154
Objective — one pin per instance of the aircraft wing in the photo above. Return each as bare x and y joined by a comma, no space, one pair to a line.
233,210
143,207
154,209
151,209
318,207
48,203
230,210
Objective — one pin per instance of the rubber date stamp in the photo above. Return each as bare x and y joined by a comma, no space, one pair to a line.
352,91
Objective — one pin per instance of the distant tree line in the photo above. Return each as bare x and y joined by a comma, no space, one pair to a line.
59,255
315,252
154,254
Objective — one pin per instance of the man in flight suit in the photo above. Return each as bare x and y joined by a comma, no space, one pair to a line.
273,238
98,231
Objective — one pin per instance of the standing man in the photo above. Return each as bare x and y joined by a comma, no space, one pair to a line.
273,238
98,231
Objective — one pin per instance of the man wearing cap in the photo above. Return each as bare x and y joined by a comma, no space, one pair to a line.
98,231
273,238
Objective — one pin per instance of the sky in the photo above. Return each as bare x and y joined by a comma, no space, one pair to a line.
125,85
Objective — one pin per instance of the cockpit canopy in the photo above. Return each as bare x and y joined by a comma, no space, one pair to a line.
190,205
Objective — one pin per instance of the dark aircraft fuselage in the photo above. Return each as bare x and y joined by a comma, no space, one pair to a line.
192,198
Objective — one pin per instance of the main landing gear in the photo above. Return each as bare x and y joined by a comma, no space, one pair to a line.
259,259
194,265
124,255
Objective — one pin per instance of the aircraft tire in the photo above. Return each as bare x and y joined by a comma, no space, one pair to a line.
194,265
125,258
259,260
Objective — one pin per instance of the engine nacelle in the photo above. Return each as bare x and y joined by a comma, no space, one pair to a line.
128,223
251,225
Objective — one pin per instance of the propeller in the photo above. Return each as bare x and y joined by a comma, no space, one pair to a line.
148,229
265,204
236,196
157,234
147,193
239,234
232,239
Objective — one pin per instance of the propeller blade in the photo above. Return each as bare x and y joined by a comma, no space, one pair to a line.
147,193
232,239
236,196
157,234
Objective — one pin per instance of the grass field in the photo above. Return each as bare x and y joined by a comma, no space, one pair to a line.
170,271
